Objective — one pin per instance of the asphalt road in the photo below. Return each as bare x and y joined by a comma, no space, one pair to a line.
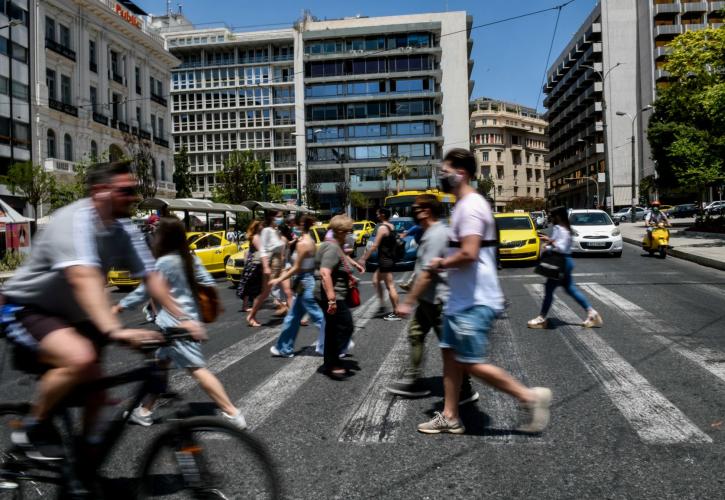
639,405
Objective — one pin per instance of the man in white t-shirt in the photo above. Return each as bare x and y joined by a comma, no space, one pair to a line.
474,302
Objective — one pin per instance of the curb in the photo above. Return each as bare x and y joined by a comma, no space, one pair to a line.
697,259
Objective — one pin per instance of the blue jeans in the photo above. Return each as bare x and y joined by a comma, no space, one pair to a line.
569,287
303,302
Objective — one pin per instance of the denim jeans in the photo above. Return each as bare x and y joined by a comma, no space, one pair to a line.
569,287
303,302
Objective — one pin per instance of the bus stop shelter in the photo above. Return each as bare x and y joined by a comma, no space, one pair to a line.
189,206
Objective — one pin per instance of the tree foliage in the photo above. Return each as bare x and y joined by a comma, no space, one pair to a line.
687,129
399,170
274,193
33,182
241,179
360,201
312,190
484,185
526,203
342,188
139,151
182,175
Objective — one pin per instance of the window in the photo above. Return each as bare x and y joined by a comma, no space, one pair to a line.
50,82
92,58
21,91
162,173
4,86
161,127
94,99
67,148
65,89
484,156
50,144
64,36
115,66
138,115
94,151
49,29
137,79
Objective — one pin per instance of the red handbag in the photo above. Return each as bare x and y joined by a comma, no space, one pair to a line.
353,292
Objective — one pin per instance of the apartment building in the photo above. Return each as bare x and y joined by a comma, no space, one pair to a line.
232,91
598,93
332,100
509,142
15,80
102,79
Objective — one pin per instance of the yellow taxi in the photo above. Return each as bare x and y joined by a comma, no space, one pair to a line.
213,249
362,230
318,233
518,240
235,264
122,279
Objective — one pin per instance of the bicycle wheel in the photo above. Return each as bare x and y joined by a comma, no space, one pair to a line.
206,457
16,469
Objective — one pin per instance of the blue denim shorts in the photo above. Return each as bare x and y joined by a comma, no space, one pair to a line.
184,354
466,332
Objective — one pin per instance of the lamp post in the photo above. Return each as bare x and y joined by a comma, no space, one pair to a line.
603,77
634,159
586,166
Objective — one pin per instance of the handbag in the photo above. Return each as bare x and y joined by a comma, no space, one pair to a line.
551,265
353,292
210,307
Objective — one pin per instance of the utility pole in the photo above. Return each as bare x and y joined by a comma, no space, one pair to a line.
633,215
299,186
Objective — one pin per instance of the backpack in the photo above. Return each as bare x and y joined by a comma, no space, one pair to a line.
399,248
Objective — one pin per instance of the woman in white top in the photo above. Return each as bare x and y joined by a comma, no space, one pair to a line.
560,241
272,255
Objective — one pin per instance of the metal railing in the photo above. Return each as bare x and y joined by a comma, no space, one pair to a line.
60,49
62,106
58,165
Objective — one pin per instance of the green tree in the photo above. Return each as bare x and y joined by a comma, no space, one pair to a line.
274,193
33,182
398,169
241,179
139,151
312,190
360,202
484,185
687,130
525,203
182,176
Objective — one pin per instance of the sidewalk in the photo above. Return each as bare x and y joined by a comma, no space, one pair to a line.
701,248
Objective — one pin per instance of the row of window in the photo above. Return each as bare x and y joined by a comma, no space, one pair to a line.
371,87
18,52
225,141
375,109
351,153
400,40
485,156
52,150
224,99
531,174
20,133
371,65
226,77
231,120
16,9
374,130
63,33
367,174
240,56
20,90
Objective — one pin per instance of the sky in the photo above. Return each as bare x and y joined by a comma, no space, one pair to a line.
509,58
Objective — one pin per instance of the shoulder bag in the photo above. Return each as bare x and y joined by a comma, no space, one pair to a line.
353,292
551,265
210,307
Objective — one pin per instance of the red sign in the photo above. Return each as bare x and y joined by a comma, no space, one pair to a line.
127,16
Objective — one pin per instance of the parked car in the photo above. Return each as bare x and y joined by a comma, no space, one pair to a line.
539,219
624,214
400,225
518,240
213,249
685,210
715,208
361,231
593,231
234,266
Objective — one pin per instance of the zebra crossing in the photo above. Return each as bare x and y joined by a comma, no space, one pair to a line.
377,417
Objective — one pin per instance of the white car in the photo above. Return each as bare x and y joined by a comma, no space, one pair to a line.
593,231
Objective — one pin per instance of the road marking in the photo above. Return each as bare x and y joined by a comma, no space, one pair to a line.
708,359
652,416
259,403
378,417
641,318
532,275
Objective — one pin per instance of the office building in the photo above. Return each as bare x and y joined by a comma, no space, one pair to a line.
102,79
15,78
334,100
599,89
509,142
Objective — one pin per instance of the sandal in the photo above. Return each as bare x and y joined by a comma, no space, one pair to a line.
253,322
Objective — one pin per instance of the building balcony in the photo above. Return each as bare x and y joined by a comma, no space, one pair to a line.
123,127
160,141
99,118
60,49
716,6
694,27
64,107
166,186
694,6
117,78
667,8
57,165
661,74
662,51
158,99
143,134
668,29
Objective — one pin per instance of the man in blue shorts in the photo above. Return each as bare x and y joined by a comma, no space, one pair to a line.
475,301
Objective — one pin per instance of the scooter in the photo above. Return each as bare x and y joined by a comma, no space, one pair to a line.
659,240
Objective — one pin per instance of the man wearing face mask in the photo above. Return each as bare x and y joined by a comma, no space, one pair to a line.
474,302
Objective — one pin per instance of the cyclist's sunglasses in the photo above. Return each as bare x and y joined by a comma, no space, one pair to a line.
127,190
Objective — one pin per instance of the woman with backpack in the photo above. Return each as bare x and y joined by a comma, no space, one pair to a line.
385,242
183,273
560,242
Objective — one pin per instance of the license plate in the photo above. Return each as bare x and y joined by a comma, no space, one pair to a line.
597,243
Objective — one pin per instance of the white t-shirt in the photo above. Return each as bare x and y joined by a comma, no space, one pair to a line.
562,239
477,283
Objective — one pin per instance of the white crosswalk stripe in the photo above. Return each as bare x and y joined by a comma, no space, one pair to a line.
709,360
652,416
644,320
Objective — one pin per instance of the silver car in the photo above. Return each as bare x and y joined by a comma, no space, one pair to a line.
623,214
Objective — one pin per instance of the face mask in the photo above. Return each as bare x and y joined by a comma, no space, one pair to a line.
449,181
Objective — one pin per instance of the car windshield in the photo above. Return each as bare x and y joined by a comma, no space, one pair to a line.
320,231
514,222
590,219
358,226
400,225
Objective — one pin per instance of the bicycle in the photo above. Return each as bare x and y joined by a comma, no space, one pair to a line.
181,462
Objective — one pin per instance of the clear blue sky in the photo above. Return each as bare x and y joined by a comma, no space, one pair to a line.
510,58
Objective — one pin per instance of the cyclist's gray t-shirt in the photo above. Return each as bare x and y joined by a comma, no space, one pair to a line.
75,236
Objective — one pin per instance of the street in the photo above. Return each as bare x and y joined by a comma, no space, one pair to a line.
639,406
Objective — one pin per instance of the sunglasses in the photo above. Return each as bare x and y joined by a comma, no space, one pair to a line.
127,190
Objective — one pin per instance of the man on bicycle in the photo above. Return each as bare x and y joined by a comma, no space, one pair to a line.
55,309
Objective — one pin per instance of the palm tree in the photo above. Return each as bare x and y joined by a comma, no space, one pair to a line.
398,169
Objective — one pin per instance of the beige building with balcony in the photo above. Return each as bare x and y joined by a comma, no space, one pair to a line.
510,145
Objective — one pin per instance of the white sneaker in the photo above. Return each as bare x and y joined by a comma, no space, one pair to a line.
535,415
537,322
276,353
149,313
236,420
141,416
594,320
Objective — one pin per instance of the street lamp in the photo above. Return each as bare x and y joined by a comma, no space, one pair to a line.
603,77
634,158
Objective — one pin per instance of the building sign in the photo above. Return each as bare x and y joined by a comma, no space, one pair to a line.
127,16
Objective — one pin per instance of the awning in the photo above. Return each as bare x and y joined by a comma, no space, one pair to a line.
191,205
8,215
266,205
